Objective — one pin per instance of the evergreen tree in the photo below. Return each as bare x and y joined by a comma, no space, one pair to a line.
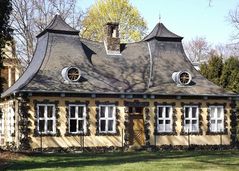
230,74
5,31
213,70
224,74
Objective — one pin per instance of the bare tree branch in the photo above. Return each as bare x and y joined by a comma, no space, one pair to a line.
30,17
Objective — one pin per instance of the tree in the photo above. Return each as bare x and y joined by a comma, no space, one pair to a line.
197,49
5,31
30,17
224,74
230,74
234,19
213,69
132,25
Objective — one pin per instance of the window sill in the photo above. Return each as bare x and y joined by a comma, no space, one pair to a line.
191,133
45,134
107,134
165,133
77,134
217,133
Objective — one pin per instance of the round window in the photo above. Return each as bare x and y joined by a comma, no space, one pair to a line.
185,78
73,74
182,78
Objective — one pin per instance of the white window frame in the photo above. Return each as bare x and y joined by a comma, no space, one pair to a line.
164,118
189,128
106,118
53,118
77,118
221,118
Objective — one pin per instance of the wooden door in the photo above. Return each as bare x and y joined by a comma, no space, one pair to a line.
136,130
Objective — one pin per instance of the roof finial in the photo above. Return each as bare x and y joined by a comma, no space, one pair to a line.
160,17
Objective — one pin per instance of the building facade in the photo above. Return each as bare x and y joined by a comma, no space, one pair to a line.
78,93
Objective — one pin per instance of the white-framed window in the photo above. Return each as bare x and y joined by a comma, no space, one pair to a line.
77,118
10,123
46,118
107,119
191,118
216,118
164,118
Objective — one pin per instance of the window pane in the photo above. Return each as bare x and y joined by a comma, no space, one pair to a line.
219,112
50,125
110,125
212,112
73,125
49,111
194,112
194,125
186,112
80,125
186,128
102,125
187,122
160,122
80,111
161,128
41,111
102,111
194,121
72,111
220,125
167,121
213,126
167,127
213,121
110,111
41,125
160,112
167,111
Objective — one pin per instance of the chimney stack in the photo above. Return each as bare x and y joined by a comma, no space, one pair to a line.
112,40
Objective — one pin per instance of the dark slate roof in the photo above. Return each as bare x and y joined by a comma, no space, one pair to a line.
161,32
144,67
58,25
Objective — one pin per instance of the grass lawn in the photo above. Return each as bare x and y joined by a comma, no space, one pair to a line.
162,160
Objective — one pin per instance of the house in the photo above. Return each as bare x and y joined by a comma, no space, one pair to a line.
10,73
11,65
79,93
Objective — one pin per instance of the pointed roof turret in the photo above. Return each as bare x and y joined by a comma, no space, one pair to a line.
162,33
58,25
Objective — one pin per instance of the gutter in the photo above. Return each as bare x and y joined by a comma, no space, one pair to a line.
127,93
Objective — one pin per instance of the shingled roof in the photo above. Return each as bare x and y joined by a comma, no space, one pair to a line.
58,25
144,67
162,33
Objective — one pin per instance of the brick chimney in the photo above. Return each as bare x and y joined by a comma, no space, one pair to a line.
112,40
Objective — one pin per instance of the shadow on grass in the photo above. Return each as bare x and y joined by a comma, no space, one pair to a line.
41,161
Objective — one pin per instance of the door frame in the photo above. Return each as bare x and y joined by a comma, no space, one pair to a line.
134,103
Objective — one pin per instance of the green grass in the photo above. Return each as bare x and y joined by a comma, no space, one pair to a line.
151,161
